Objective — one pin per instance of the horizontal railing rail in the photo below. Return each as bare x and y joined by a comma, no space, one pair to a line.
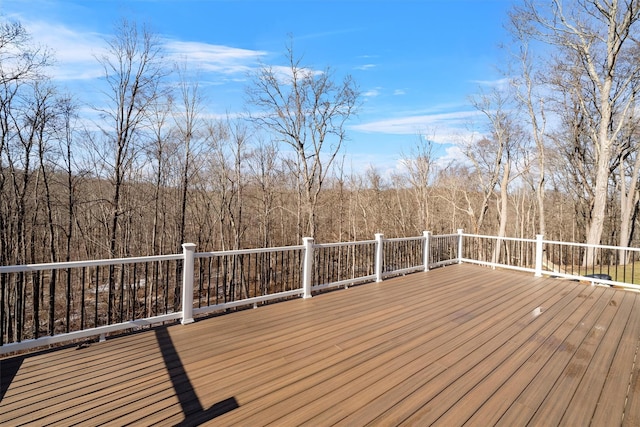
46,304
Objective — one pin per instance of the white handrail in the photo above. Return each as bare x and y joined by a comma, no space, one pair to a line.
585,245
79,264
339,244
248,251
515,239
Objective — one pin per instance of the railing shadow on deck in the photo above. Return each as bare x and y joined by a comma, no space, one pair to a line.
194,413
8,370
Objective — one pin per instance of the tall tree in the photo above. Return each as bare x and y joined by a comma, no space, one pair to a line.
306,110
133,70
595,42
529,90
628,183
266,174
160,151
188,122
420,165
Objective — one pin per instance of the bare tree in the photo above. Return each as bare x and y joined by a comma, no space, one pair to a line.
486,156
420,164
188,122
628,183
266,172
133,70
306,110
529,86
22,66
66,143
595,42
160,150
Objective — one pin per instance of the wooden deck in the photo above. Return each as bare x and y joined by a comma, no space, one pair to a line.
454,346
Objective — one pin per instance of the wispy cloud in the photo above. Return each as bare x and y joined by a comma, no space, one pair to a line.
446,128
372,92
399,92
214,58
365,67
74,51
498,84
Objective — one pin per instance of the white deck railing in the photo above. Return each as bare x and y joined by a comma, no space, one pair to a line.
45,304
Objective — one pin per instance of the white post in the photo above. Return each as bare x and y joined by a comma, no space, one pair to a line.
188,250
427,246
539,254
307,267
460,230
379,257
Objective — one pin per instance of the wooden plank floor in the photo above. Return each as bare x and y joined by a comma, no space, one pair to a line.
460,345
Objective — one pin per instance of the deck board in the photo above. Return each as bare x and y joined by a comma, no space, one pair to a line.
453,346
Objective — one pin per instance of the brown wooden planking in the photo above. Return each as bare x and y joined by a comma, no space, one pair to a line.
501,388
506,342
342,339
307,368
99,355
589,393
410,390
563,369
632,404
354,395
482,380
558,398
307,384
536,392
364,414
613,397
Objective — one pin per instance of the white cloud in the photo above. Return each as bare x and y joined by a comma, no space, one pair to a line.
74,51
214,58
453,153
498,84
366,67
372,92
399,92
443,127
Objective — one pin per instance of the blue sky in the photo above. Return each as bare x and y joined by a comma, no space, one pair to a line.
416,61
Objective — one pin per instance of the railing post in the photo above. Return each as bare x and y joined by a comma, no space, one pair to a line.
427,247
188,250
307,267
379,256
539,254
460,230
